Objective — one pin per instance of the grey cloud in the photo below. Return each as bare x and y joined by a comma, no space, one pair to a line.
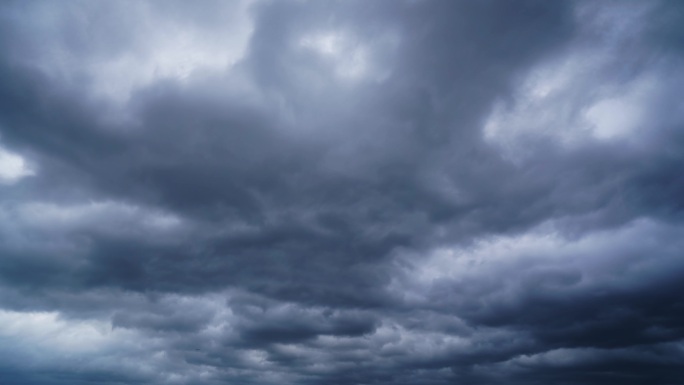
343,192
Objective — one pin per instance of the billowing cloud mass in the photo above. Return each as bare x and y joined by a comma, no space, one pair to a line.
341,192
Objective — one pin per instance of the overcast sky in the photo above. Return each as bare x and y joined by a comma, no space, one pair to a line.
341,192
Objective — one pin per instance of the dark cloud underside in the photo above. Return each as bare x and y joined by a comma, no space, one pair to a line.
386,192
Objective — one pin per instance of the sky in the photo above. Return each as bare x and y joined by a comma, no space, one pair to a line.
341,192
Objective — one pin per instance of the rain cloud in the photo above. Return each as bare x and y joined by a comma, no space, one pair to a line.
341,192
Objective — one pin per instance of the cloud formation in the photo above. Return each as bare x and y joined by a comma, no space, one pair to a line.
341,192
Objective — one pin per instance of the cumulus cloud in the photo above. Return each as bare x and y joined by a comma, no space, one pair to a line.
343,192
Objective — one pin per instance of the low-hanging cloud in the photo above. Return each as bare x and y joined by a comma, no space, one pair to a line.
343,192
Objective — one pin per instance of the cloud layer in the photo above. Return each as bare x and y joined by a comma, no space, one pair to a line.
341,192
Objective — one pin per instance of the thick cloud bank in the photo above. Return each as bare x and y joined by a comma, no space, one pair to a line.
341,192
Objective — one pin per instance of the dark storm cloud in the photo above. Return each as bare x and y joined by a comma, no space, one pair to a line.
341,192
